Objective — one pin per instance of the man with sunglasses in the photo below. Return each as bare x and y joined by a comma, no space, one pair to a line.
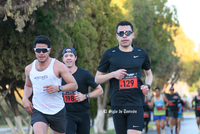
174,99
122,65
76,103
43,79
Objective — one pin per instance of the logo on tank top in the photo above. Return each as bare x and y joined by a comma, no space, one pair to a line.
37,78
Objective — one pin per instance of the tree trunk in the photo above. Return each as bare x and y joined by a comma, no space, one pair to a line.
18,123
101,102
9,122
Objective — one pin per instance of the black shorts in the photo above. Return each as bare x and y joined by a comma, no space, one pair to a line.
197,113
78,122
128,118
166,113
173,114
57,122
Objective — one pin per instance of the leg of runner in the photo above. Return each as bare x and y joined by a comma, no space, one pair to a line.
162,125
120,123
40,128
54,132
133,132
84,123
147,123
171,120
167,118
158,126
179,125
71,125
175,124
198,122
167,121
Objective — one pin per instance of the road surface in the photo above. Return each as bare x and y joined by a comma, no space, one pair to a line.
188,126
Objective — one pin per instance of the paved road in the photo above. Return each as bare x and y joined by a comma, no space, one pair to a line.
188,126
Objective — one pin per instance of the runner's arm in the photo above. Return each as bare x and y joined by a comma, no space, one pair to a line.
69,79
151,103
97,92
28,90
166,100
192,101
149,77
100,77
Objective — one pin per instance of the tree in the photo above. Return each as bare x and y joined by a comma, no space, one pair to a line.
187,69
152,20
21,10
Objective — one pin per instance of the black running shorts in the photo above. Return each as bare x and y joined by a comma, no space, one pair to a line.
57,122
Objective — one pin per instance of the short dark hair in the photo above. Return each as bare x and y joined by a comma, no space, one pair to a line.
124,23
42,39
157,88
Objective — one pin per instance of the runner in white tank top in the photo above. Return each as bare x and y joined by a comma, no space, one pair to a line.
43,80
50,103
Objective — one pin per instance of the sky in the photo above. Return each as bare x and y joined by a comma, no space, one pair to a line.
189,18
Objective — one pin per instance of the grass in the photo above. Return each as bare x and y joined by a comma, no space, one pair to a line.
189,113
4,126
107,132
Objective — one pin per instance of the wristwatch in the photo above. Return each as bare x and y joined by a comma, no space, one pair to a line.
148,86
87,96
60,88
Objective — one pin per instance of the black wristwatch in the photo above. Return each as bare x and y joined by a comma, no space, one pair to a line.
60,88
87,96
148,86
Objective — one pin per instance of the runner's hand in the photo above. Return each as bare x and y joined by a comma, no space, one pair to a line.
51,88
144,89
80,97
27,105
119,74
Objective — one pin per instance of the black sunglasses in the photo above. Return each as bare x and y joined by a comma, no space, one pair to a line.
43,50
127,33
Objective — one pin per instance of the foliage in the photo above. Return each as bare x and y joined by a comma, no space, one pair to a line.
193,88
189,60
21,10
153,21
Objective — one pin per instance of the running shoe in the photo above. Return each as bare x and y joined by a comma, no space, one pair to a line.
163,131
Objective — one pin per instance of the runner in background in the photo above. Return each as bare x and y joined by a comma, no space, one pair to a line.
146,114
181,107
76,103
196,107
166,115
173,98
158,101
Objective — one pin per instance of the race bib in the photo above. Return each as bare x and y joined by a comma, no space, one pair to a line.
146,115
171,103
128,82
159,108
198,108
69,97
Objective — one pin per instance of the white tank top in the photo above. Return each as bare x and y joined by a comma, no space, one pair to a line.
42,100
